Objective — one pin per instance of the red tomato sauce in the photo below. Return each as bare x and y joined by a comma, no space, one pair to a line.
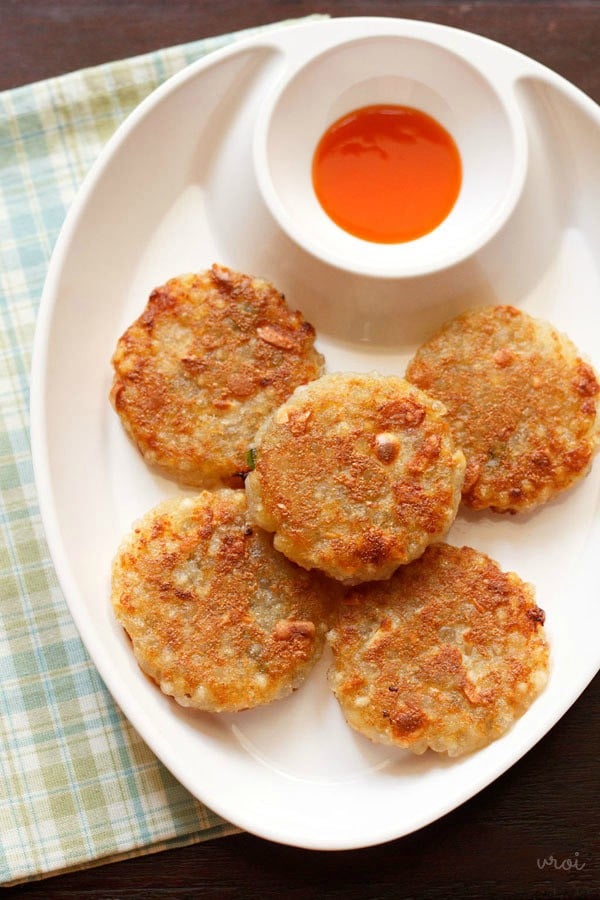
387,173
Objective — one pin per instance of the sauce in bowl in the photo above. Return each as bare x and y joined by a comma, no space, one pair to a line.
387,173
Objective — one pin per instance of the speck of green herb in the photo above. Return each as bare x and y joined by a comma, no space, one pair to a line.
251,458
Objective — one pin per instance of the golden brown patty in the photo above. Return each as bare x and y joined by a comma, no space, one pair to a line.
209,358
217,618
355,474
521,402
447,654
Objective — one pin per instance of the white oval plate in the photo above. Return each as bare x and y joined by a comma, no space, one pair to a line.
174,191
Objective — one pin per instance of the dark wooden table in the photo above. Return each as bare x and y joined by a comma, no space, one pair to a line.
548,803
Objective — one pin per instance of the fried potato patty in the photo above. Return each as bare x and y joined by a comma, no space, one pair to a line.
216,617
521,402
446,654
356,475
211,356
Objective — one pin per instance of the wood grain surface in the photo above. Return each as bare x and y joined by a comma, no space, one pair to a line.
547,805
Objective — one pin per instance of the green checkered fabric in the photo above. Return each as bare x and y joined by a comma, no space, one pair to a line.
77,784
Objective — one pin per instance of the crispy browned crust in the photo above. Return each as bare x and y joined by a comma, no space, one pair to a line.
356,474
216,617
446,654
522,404
211,356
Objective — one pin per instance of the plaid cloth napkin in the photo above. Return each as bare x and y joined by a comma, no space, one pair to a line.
77,784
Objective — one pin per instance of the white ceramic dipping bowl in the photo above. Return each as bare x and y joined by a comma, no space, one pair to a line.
485,125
